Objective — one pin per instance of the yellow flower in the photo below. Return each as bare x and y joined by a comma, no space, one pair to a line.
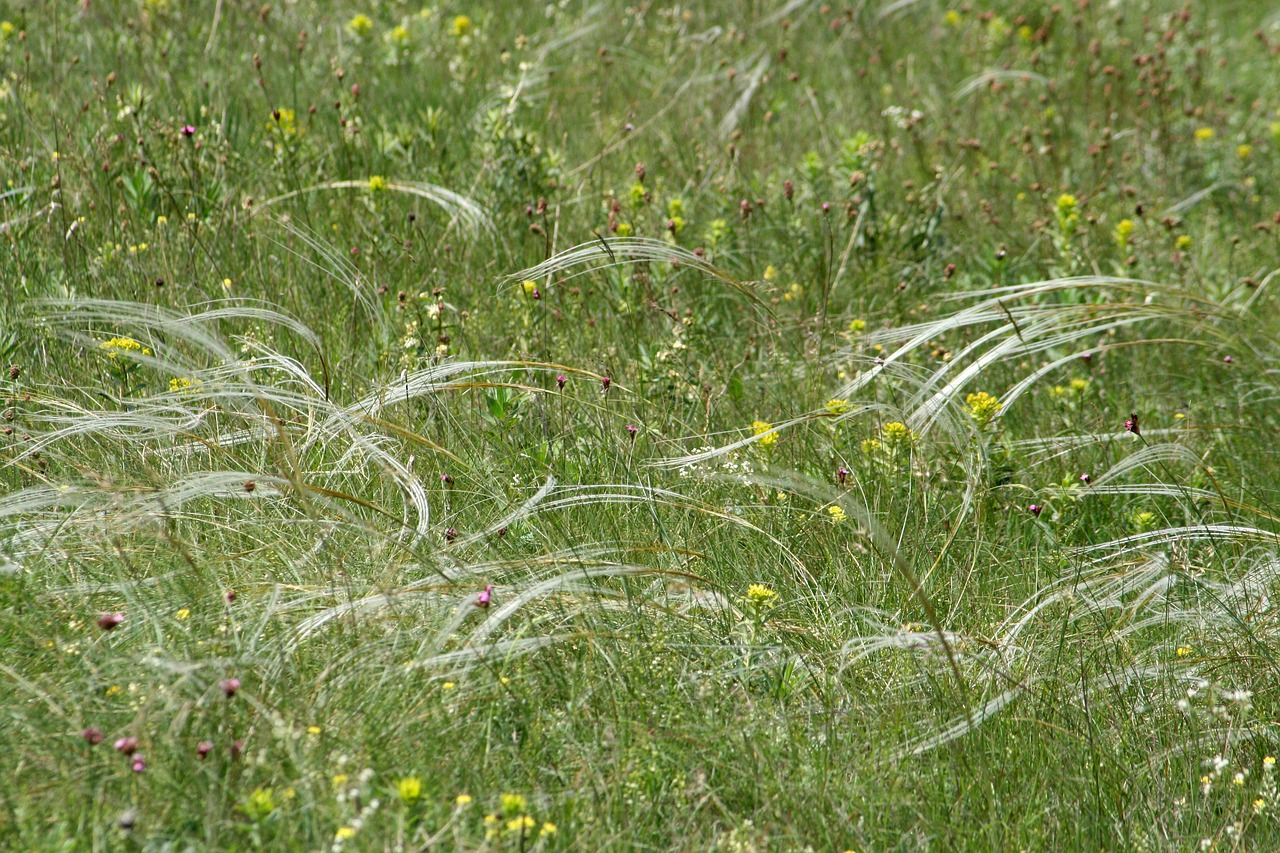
115,346
760,595
983,408
340,780
1204,134
360,24
182,383
1183,651
1066,204
838,407
897,435
183,615
836,513
763,429
462,800
1124,230
1244,151
857,326
7,29
162,220
1268,761
952,18
461,26
548,828
1183,242
529,286
260,803
448,685
377,182
345,832
795,291
1079,385
399,36
520,824
770,273
870,446
313,730
624,229
409,789
513,804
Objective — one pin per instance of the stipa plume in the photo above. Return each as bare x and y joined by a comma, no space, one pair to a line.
247,453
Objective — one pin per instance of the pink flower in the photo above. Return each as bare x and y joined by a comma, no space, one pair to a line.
92,736
127,745
450,534
203,749
483,598
1131,425
139,765
188,130
230,686
560,380
632,429
109,621
1035,509
842,474
1086,479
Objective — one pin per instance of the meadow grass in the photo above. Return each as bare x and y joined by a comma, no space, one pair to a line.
734,426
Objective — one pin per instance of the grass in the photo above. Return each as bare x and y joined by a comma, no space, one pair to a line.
734,427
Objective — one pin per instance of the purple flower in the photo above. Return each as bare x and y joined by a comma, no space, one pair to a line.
1086,479
450,534
605,383
560,380
109,621
188,130
237,747
447,479
1227,359
842,474
229,596
1131,425
230,686
632,429
139,765
483,598
1035,509
127,745
203,749
92,736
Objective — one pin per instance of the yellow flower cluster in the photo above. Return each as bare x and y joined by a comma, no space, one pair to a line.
760,595
983,408
361,24
115,346
762,428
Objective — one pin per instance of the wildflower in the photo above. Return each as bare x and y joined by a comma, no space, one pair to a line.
952,18
230,686
203,748
896,435
1258,805
521,823
313,730
842,474
764,429
548,828
1244,151
399,36
1268,762
1183,242
182,383
1131,425
229,596
1204,134
462,800
838,407
345,832
183,614
127,745
483,598
115,346
461,26
377,182
360,24
339,780
92,735
1086,478
1035,509
857,326
1066,204
632,429
513,804
983,408
450,534
1183,651
761,596
871,447
560,380
188,130
448,685
770,272
836,513
109,621
409,789
237,747
7,29
604,384
1124,230
139,764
